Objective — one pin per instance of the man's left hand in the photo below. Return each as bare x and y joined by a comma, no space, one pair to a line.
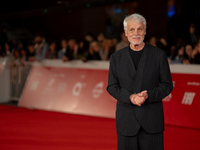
143,94
140,98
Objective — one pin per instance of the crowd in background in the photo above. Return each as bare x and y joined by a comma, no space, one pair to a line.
182,51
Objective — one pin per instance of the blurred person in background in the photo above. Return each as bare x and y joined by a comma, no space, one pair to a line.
107,49
20,45
165,46
163,41
192,36
123,43
89,37
16,59
93,53
187,57
24,57
177,55
40,47
85,44
111,46
3,37
31,52
52,52
8,50
160,45
114,41
15,64
2,53
196,53
63,49
72,50
100,39
153,40
13,44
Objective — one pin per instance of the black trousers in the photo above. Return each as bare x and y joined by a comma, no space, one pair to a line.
141,141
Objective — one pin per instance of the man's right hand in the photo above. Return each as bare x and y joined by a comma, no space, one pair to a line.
138,99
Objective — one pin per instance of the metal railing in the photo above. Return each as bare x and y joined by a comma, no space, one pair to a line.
18,76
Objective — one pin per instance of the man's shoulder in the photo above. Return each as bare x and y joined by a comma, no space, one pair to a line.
120,52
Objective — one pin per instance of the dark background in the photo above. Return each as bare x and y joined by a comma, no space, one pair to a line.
74,18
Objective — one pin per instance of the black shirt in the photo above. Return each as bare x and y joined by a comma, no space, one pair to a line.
135,55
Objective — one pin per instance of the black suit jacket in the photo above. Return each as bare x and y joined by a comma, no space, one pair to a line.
153,74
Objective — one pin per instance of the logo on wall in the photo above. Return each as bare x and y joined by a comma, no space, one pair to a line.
49,87
61,88
51,82
193,83
77,88
97,90
188,98
34,85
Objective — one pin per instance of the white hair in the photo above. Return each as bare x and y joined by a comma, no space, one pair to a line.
135,17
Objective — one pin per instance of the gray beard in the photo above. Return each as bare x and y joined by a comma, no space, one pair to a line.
138,43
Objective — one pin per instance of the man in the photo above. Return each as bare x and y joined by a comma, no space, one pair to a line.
139,78
63,50
40,47
71,50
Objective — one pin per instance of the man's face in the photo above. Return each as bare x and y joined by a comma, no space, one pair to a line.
188,49
95,46
38,39
71,43
31,48
135,32
63,44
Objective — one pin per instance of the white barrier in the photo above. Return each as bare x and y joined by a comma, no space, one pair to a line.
78,87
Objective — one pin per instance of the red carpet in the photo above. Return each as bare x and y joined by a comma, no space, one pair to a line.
25,129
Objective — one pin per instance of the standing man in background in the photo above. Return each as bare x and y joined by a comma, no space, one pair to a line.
123,43
139,78
41,47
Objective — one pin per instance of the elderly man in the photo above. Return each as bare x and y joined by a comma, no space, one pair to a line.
139,78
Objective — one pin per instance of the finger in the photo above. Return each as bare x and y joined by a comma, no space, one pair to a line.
144,92
133,101
132,98
141,102
141,94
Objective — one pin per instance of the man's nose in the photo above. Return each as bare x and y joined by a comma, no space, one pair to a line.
135,32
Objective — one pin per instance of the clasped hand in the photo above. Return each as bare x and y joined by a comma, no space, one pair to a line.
139,99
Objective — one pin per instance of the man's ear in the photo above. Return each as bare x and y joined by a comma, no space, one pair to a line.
125,31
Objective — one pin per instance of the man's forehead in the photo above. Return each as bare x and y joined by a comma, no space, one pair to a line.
132,23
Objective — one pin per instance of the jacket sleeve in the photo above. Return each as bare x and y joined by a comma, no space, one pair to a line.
113,87
165,87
